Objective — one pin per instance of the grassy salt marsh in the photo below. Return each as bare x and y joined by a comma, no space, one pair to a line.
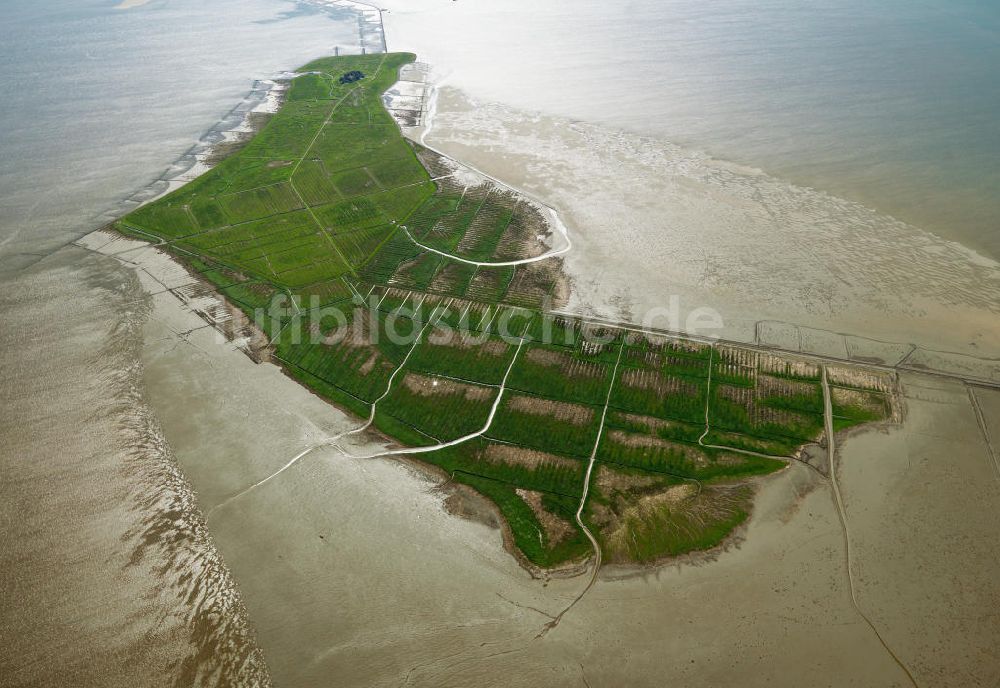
329,206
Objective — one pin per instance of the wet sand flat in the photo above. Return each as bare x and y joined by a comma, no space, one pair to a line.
923,503
354,571
650,221
107,574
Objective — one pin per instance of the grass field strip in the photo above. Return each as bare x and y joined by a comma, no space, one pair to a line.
596,564
521,418
298,164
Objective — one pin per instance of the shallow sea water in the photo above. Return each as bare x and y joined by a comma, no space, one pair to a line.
892,103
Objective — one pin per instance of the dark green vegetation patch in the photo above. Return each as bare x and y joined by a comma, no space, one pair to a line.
359,254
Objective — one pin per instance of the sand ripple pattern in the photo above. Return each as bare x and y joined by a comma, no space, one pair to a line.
170,530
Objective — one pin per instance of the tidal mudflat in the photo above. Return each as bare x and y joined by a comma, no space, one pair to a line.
922,503
108,572
359,568
356,569
651,221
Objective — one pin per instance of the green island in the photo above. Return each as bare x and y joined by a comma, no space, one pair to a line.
651,442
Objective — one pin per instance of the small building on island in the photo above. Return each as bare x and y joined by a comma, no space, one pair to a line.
351,77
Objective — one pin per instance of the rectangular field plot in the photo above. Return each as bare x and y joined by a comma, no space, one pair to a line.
398,172
466,316
399,306
254,239
769,364
314,183
653,453
553,426
526,235
439,407
483,236
398,250
351,352
511,322
672,356
399,203
562,373
517,466
311,87
165,220
859,405
676,430
356,182
415,272
740,410
207,213
309,259
791,394
594,342
652,392
281,258
490,283
323,293
477,358
782,447
358,246
426,215
445,231
538,285
349,215
557,330
347,152
452,278
438,166
261,202
285,137
318,271
472,318
252,174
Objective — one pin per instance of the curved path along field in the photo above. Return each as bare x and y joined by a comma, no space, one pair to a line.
496,264
583,501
